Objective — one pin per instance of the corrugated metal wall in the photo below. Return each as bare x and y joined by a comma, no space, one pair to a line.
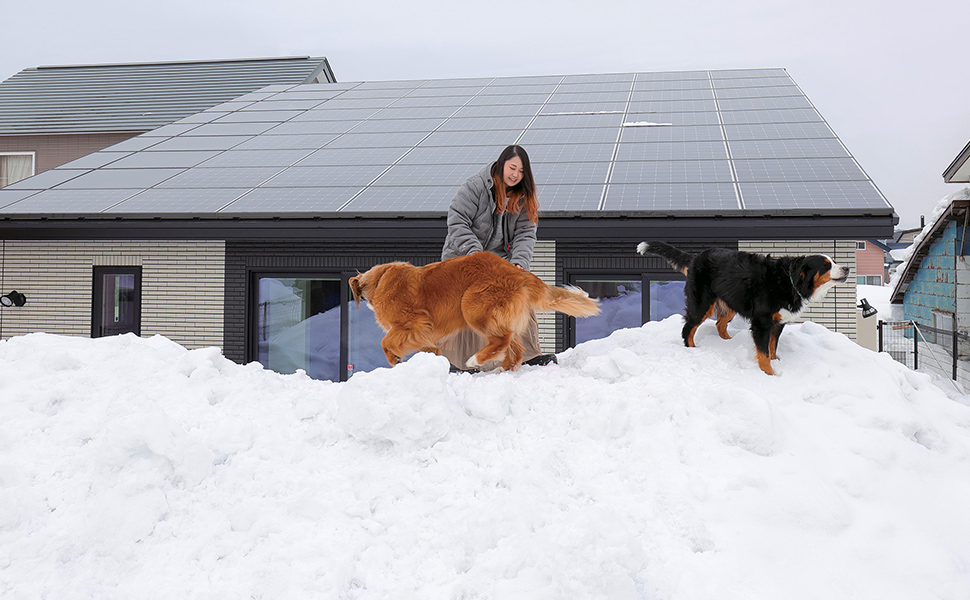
182,287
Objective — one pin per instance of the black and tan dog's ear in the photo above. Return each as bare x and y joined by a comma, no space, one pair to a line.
355,289
805,282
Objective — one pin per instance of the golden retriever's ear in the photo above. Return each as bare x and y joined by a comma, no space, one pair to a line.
355,289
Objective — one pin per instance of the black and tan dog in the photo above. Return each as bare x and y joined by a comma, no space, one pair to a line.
767,291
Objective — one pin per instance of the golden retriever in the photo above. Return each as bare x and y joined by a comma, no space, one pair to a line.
419,307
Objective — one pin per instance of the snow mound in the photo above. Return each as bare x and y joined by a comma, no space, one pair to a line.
636,468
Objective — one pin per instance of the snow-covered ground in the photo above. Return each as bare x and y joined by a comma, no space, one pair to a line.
634,469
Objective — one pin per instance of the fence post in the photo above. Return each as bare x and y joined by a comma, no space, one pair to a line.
954,354
879,325
915,346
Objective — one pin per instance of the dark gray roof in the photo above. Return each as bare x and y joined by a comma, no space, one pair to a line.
735,143
138,97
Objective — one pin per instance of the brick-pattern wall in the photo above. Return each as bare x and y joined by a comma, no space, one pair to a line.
838,310
934,285
182,286
544,265
55,150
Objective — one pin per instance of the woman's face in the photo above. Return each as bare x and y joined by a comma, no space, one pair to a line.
513,172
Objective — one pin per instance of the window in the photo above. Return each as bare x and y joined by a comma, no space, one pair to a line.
306,322
625,301
15,166
868,280
860,245
117,301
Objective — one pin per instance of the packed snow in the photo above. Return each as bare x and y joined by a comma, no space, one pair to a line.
635,469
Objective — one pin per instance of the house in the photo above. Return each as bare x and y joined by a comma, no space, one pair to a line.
933,284
871,262
51,115
239,226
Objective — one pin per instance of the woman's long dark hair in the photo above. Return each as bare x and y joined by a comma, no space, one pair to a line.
521,196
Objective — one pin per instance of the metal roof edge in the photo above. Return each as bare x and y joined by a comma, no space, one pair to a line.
956,165
922,249
173,62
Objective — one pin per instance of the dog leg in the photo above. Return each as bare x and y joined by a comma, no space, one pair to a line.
761,330
724,316
775,334
693,320
397,344
495,349
513,356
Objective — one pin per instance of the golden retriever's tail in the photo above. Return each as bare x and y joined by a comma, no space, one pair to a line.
568,300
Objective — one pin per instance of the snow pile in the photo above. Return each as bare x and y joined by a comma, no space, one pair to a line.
635,469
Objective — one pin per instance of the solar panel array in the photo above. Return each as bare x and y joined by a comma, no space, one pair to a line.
710,142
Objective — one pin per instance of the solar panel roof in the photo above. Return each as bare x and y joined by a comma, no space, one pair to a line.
731,142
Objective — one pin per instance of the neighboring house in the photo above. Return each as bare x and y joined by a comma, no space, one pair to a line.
51,115
870,261
239,226
934,283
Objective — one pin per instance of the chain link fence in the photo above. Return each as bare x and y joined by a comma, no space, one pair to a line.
928,349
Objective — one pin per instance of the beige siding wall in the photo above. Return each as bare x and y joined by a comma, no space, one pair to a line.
183,287
838,310
544,265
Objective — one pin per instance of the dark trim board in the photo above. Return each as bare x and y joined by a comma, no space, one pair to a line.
551,227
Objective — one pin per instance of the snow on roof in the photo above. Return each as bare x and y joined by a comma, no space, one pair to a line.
942,208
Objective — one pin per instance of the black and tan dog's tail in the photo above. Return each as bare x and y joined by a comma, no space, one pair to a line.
677,258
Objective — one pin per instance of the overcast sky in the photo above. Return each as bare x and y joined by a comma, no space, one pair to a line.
889,77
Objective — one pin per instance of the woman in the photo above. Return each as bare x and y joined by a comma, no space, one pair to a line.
496,210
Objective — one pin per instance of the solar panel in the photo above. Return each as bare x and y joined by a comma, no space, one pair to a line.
177,201
671,151
212,142
424,175
803,148
581,197
779,115
292,200
235,177
107,179
672,171
571,173
466,155
811,196
799,169
671,197
161,159
354,156
257,158
68,200
397,200
47,179
326,176
624,142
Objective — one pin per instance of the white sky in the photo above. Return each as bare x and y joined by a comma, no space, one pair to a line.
889,77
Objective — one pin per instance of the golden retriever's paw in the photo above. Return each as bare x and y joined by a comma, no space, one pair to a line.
472,362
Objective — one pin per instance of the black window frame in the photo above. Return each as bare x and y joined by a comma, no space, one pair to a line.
252,300
572,275
97,309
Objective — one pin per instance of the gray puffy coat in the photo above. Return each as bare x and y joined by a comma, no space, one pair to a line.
472,219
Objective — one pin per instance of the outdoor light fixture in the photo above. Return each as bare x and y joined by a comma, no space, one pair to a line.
867,309
14,298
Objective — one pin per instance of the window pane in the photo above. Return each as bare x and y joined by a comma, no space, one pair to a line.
620,307
118,304
666,298
364,351
14,167
298,326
